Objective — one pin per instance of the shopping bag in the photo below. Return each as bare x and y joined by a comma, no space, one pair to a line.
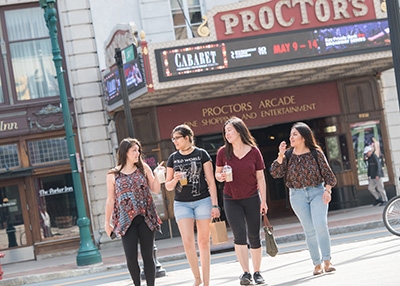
218,231
270,243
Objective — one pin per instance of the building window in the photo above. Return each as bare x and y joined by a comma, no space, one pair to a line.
186,15
57,206
28,49
368,133
47,150
9,157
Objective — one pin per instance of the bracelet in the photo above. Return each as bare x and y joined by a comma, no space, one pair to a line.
281,155
216,207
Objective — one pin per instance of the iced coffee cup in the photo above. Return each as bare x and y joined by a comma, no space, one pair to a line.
228,173
160,174
183,180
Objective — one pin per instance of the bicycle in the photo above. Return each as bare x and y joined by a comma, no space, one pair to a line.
391,215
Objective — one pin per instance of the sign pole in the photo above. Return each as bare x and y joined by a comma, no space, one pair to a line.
124,92
88,253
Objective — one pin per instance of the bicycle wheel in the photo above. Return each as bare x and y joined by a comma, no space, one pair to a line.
391,216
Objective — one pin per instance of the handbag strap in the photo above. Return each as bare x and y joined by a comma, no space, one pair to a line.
266,222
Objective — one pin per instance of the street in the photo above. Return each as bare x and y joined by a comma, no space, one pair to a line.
362,258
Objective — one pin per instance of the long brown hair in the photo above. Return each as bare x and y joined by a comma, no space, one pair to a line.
308,135
123,149
244,132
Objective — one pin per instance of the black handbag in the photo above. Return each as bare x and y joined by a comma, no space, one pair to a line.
270,243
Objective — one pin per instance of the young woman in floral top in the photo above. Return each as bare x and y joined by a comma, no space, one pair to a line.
130,209
310,183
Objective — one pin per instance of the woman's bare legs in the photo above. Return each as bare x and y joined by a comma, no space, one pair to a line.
186,229
256,256
242,254
203,241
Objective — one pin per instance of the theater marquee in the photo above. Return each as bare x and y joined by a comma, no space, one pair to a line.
271,50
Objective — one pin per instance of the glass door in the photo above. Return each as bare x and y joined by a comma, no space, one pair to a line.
15,234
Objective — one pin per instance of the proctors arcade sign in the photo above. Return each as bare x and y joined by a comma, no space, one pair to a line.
259,34
262,109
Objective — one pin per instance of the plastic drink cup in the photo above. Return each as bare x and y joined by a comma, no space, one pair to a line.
228,172
160,173
183,180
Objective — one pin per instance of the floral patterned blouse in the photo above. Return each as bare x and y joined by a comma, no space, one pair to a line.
133,198
303,171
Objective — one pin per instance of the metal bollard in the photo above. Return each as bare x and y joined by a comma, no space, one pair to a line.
1,270
160,271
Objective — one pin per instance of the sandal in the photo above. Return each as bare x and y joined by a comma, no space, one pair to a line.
318,270
328,266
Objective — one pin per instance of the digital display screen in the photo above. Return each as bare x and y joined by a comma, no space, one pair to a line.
135,80
263,51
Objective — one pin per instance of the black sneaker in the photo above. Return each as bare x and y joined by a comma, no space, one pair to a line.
258,279
383,204
377,202
245,279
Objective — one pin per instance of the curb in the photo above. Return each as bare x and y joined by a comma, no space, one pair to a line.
229,247
60,274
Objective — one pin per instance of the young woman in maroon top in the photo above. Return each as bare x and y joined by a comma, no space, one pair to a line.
245,195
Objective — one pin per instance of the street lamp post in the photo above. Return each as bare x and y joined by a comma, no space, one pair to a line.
394,26
88,253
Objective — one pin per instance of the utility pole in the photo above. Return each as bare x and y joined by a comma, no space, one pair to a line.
88,253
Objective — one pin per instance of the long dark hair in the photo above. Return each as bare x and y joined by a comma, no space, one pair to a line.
308,135
123,149
244,132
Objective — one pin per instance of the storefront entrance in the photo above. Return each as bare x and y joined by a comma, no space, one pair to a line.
15,225
37,215
335,148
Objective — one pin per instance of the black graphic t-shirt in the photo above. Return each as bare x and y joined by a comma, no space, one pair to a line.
192,164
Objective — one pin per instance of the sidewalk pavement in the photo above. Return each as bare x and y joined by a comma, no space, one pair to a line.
285,230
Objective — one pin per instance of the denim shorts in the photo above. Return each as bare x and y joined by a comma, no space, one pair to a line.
200,209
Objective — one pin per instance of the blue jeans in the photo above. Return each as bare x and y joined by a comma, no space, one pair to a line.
313,215
200,209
